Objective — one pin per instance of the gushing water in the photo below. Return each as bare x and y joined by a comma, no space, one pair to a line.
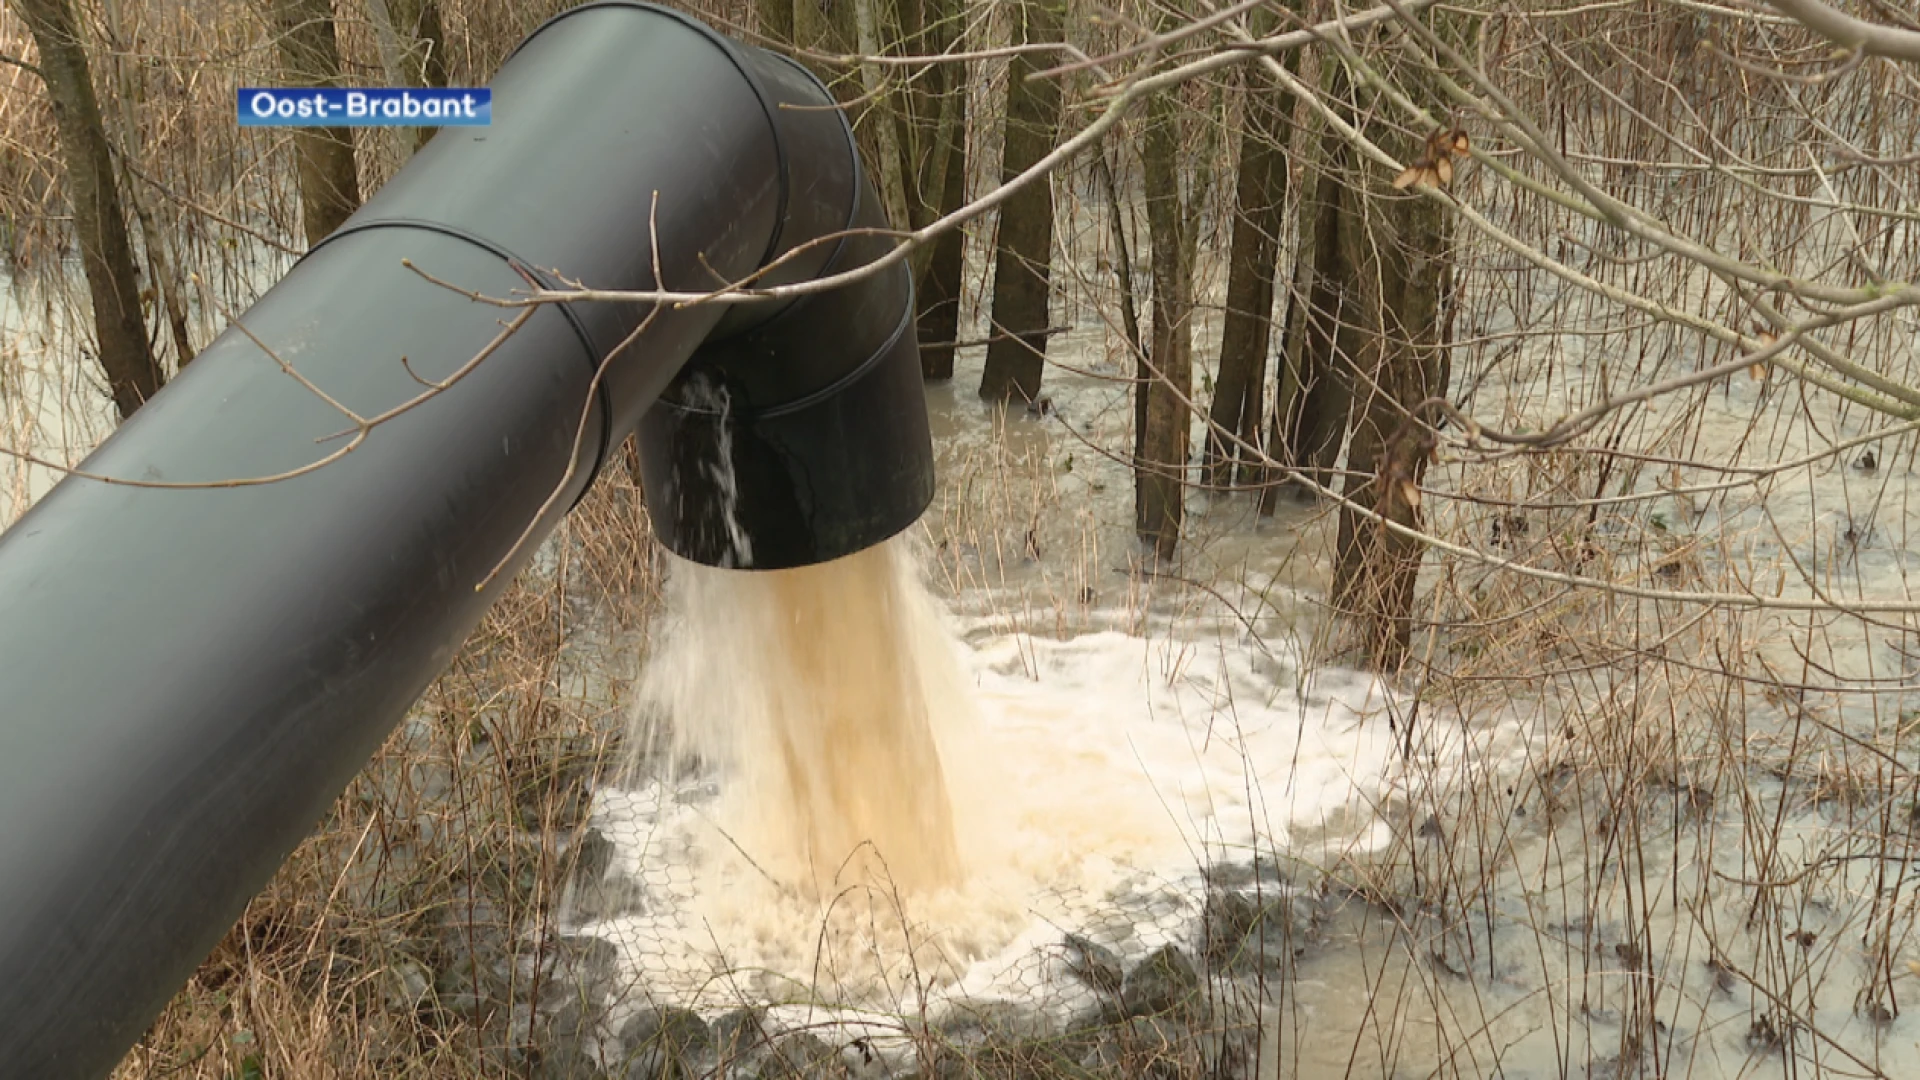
824,694
861,810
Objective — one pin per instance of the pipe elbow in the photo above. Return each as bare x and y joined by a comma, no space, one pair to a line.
797,433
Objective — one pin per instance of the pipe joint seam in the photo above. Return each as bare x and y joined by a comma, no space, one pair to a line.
594,354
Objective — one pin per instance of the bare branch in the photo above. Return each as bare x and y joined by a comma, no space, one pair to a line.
586,409
1854,34
22,65
1117,103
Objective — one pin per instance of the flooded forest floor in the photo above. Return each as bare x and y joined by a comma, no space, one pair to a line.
1609,832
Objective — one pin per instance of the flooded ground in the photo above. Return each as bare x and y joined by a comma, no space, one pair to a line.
50,406
1656,858
1494,906
54,404
1634,836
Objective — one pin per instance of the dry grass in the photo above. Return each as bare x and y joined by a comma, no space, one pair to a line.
410,934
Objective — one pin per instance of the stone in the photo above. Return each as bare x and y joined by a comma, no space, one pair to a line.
409,985
1261,871
639,1063
667,1043
1026,1059
574,1022
1094,964
591,855
802,1056
605,898
739,1036
1246,931
646,1063
978,1022
567,1059
340,965
474,970
1161,983
1105,1058
520,1032
570,968
585,965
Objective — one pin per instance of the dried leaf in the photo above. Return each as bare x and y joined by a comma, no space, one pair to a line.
1443,169
1757,372
1410,492
1407,179
1461,144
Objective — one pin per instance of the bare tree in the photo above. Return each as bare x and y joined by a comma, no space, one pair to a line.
1023,257
1160,473
310,56
872,29
1314,421
1260,205
1400,251
935,157
912,127
940,284
156,222
413,46
100,226
424,39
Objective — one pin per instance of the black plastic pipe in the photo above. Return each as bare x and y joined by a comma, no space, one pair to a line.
189,676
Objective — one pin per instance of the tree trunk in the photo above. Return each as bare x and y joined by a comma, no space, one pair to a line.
934,105
155,226
776,21
934,151
912,132
1260,195
825,28
1317,415
1024,254
1122,269
884,116
420,21
1129,309
310,56
1401,252
1286,384
1198,162
421,44
842,28
944,278
1160,474
99,224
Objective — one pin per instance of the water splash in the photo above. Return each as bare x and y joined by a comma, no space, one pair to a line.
823,696
703,393
995,797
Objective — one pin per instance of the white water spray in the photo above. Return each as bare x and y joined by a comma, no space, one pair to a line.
867,813
829,699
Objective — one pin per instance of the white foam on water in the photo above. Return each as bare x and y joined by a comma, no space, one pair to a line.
1090,781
